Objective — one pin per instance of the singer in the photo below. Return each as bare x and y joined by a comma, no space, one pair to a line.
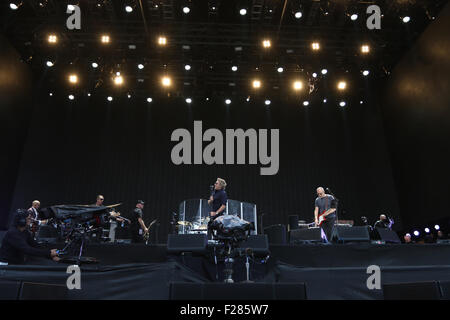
218,199
325,211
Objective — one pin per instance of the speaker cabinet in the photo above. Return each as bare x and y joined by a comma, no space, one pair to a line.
388,235
305,235
276,234
342,234
237,291
42,291
412,291
258,243
195,243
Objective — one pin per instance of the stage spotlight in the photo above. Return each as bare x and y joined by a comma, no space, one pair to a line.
361,102
354,17
342,103
436,227
128,96
71,97
88,94
315,46
416,233
306,103
188,100
73,78
94,65
118,80
71,7
406,19
267,102
366,73
234,68
248,99
140,66
52,38
324,71
162,41
298,15
365,48
50,94
128,9
149,100
166,81
266,43
314,75
13,6
325,100
427,230
256,84
297,85
187,67
280,69
342,85
227,101
105,39
49,64
110,98
186,10
243,12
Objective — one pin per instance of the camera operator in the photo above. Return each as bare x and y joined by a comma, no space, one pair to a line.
19,242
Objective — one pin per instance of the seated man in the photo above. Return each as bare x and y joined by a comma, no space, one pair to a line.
19,242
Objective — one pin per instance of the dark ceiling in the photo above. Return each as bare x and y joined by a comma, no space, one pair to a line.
211,38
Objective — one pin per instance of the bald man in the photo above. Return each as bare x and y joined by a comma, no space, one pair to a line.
325,204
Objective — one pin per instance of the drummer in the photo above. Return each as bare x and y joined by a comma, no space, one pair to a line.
218,199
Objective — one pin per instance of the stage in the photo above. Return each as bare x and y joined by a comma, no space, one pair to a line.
338,271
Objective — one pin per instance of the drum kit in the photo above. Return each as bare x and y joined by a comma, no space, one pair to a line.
199,226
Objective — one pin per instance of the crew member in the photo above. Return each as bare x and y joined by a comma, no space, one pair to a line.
325,207
383,222
19,242
218,200
100,200
138,227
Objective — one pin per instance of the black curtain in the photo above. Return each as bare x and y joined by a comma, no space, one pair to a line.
121,149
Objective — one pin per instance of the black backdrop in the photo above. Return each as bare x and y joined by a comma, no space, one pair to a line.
121,149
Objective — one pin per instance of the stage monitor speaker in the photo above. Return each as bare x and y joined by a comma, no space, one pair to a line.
412,291
195,243
43,291
342,234
388,235
258,243
445,289
237,291
276,234
293,222
9,290
305,235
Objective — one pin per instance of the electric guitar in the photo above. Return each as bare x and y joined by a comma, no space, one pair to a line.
322,218
146,235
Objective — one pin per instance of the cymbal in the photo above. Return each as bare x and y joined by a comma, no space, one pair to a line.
184,223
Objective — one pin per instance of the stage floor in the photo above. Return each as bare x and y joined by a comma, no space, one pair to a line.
134,271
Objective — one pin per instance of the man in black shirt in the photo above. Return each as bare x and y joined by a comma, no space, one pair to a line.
138,227
218,200
383,222
18,242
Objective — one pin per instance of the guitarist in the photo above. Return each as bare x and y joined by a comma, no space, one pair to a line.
325,207
138,228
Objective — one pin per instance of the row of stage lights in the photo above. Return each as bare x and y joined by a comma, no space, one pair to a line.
227,101
186,10
162,41
166,81
426,230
